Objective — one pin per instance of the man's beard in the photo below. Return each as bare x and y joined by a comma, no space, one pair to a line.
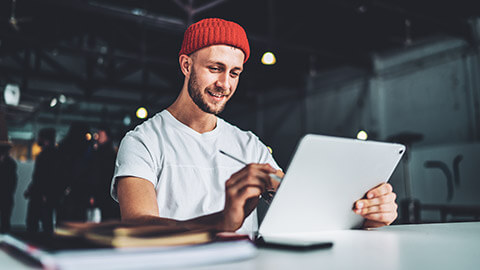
196,95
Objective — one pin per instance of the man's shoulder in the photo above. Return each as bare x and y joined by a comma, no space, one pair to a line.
148,127
148,136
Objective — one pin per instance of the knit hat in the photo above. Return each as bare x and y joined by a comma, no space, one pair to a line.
214,31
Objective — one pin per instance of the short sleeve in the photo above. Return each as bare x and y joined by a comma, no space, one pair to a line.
134,159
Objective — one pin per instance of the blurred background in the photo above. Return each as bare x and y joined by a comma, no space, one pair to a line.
401,71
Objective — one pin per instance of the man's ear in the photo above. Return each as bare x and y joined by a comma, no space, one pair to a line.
185,64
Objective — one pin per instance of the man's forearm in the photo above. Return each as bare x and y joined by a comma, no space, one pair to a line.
213,221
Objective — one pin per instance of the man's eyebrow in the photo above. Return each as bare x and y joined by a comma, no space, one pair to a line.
210,62
223,65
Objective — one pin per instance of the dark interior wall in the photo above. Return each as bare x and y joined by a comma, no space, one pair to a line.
431,90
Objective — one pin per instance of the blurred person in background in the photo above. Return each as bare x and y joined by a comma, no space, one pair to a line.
74,158
8,183
101,174
42,194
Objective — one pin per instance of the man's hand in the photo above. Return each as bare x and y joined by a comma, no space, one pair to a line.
138,201
242,193
379,207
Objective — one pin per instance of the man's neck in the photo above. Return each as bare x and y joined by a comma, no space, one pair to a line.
187,112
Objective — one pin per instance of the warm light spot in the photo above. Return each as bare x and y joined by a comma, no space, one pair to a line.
362,135
268,58
142,113
88,136
36,149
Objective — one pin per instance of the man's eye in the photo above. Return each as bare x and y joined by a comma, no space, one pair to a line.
234,74
214,69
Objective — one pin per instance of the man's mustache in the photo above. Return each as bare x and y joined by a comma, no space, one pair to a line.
218,91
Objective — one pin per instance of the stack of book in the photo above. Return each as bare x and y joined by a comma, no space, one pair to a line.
116,245
119,235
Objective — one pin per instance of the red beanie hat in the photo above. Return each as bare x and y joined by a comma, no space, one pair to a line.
214,31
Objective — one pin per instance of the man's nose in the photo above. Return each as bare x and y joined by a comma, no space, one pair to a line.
223,82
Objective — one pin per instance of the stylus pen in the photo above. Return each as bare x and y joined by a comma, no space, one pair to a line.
274,176
267,196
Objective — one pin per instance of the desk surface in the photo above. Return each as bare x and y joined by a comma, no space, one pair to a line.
426,246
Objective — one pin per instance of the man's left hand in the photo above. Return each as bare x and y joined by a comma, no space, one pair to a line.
379,207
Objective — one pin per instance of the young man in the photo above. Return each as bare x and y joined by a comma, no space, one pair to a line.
169,169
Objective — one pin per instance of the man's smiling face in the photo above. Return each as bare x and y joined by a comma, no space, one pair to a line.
214,76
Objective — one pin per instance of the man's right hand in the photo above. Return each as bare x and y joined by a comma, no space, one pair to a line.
242,192
138,201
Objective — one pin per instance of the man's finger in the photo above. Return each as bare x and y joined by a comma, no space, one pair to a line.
258,177
381,208
260,181
249,192
259,170
248,176
385,199
380,190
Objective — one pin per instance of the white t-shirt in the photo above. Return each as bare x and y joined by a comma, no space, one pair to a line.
186,167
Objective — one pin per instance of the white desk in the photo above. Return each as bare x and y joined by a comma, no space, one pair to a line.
429,246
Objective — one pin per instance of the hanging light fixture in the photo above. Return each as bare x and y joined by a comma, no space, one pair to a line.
142,113
269,59
11,94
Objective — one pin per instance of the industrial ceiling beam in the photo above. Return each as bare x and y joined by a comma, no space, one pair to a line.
94,82
178,26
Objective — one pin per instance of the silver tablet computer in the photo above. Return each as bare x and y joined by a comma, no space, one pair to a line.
325,177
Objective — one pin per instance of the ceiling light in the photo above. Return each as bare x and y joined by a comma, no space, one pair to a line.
268,58
62,98
127,120
142,113
362,135
11,94
54,102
